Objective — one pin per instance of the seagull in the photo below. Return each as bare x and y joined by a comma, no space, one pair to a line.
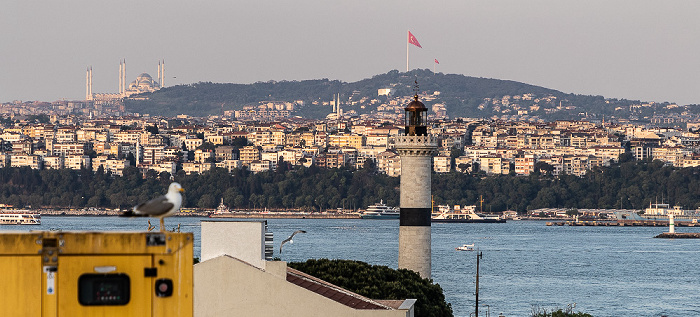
290,238
160,207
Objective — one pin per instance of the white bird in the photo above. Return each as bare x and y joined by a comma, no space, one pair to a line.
160,207
290,238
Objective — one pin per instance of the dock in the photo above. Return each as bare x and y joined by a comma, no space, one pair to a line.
679,235
622,223
286,215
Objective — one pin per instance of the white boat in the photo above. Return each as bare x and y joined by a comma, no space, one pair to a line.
381,211
222,209
464,215
19,217
465,247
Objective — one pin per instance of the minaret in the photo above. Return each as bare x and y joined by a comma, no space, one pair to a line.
416,149
87,83
159,79
162,74
124,77
121,83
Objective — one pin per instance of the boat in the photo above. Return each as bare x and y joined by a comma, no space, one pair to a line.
465,247
464,215
222,209
380,211
19,217
662,211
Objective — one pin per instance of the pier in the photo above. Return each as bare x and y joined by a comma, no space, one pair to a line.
622,223
286,215
679,235
209,213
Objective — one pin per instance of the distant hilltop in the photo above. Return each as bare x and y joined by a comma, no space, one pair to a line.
448,96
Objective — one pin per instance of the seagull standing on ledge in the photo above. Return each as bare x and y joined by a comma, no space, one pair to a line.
290,238
160,207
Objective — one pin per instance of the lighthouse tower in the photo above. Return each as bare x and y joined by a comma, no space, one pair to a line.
416,149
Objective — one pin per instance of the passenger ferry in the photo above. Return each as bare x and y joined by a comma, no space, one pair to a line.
19,217
661,211
463,215
380,211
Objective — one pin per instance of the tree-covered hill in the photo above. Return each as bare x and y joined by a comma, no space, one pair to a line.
463,96
631,184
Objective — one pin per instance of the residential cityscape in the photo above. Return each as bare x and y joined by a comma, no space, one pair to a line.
349,159
98,134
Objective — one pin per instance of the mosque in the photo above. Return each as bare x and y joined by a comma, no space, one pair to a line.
143,83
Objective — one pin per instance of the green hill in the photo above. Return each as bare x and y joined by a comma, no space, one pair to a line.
463,96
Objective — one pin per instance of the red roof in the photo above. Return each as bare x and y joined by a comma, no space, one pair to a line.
331,291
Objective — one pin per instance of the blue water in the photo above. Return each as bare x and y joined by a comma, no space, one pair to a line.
606,271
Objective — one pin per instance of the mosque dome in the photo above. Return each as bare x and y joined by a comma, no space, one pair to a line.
143,83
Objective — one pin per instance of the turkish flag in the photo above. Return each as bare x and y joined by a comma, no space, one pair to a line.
412,39
436,62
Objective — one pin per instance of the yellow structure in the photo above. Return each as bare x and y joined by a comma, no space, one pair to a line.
55,273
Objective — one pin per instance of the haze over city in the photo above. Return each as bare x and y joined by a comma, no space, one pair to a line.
619,49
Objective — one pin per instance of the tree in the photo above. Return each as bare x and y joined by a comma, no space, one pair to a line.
463,167
572,212
207,146
370,165
380,282
543,167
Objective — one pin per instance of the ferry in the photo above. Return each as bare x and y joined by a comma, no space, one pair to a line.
463,215
380,211
662,211
19,217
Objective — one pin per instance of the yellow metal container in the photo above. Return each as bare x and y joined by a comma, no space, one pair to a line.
54,273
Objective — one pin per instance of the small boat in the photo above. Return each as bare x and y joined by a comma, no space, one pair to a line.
380,211
222,209
19,217
465,247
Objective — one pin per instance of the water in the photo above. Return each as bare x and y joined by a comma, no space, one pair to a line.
606,271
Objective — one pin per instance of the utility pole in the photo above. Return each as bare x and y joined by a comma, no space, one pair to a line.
476,305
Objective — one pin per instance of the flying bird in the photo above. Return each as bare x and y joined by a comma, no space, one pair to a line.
290,238
160,207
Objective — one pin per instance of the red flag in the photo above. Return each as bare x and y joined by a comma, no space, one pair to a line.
412,40
436,62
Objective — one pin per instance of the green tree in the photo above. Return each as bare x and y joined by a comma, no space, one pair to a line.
380,282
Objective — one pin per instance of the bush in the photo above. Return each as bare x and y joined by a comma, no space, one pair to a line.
380,282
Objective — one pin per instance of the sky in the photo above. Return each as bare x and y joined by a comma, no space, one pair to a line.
633,49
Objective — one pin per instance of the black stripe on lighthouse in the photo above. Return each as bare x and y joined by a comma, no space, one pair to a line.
415,217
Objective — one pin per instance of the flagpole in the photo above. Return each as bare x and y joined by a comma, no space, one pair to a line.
407,40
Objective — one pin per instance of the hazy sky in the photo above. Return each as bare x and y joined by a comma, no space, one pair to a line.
635,49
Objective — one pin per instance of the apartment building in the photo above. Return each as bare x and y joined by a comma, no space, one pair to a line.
248,154
524,164
29,160
494,165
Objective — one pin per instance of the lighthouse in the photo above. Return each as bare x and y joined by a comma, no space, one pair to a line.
416,149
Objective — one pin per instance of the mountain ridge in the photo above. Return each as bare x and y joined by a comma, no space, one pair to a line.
462,96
